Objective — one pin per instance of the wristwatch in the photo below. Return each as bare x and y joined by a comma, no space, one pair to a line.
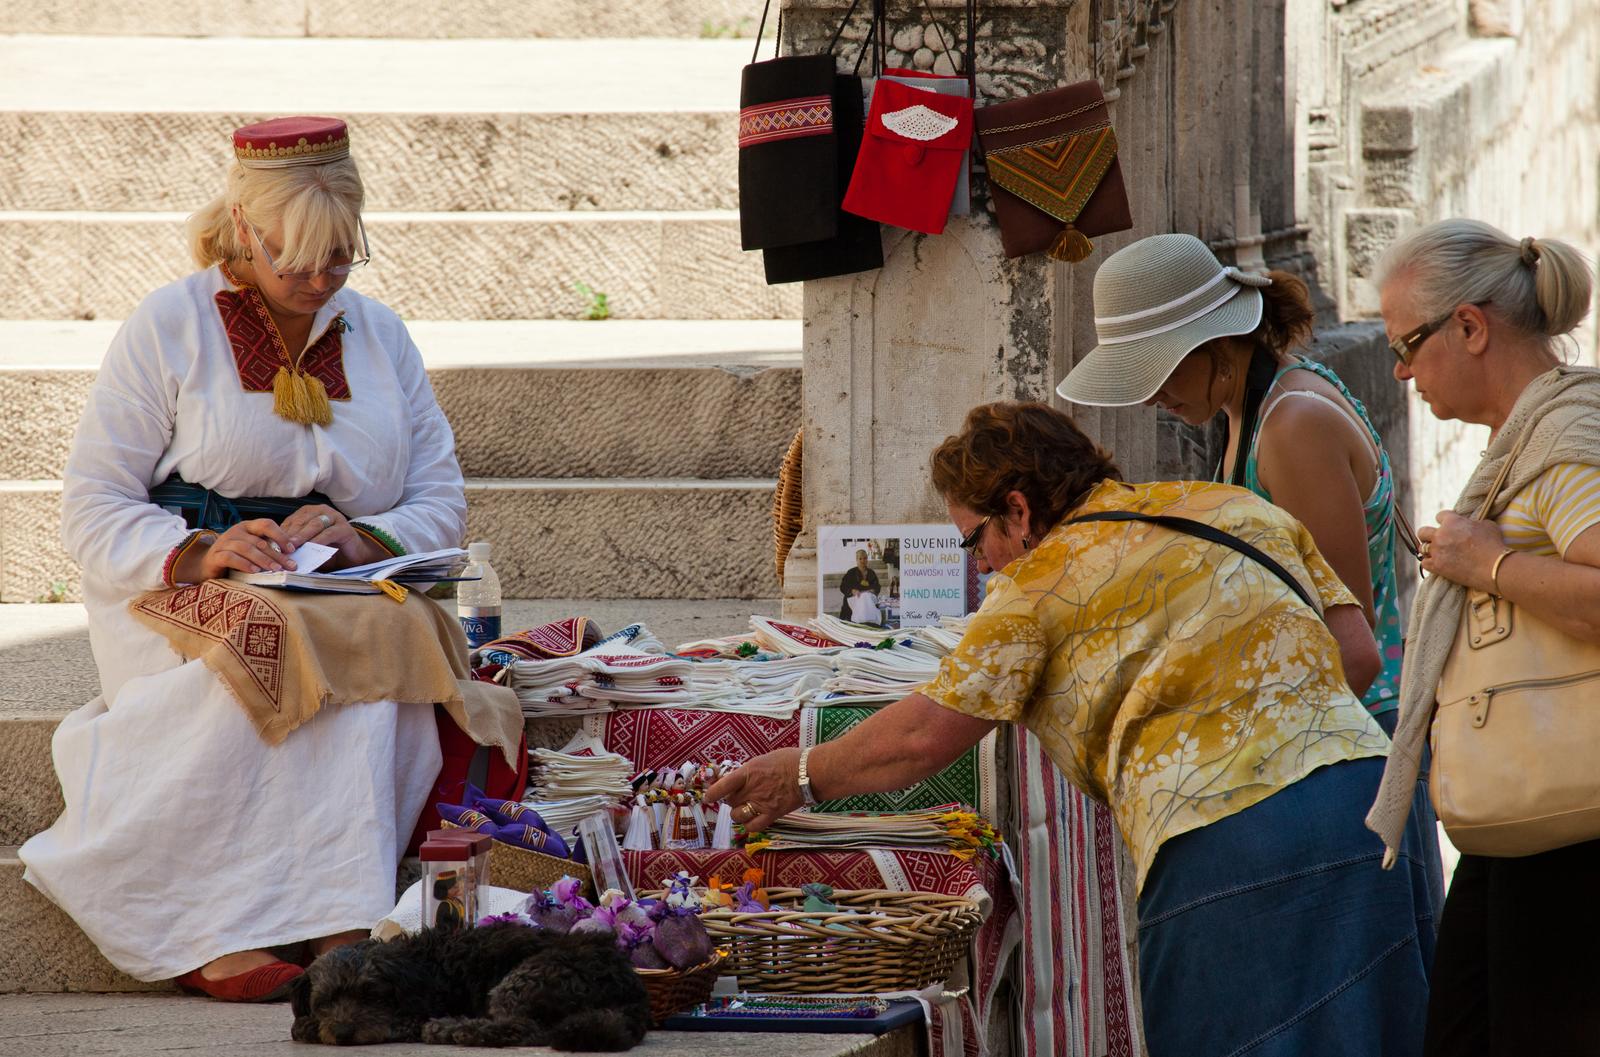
805,779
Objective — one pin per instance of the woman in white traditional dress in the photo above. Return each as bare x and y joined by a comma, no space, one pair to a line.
190,847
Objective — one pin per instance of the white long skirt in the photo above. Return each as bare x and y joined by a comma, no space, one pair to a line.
186,837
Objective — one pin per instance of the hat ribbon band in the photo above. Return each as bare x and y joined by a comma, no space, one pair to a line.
1220,299
1166,306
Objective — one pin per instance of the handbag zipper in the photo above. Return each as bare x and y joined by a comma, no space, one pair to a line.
1537,684
1480,700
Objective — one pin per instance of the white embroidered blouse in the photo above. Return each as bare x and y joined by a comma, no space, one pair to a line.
169,399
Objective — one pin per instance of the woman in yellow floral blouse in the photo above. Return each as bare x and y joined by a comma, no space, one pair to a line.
1198,693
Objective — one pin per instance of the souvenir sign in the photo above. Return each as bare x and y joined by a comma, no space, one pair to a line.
893,576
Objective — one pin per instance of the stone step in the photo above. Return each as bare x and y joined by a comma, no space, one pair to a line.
474,125
388,18
494,266
554,538
527,398
409,161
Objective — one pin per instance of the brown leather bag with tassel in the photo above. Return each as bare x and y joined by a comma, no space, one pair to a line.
1053,171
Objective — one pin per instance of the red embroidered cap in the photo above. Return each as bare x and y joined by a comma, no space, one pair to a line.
286,141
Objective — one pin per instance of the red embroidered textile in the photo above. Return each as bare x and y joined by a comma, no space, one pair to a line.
666,737
285,655
785,119
558,638
248,626
258,349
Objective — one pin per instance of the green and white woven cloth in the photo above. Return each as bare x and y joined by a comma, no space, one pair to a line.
971,779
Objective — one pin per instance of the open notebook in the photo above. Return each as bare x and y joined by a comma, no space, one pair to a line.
427,567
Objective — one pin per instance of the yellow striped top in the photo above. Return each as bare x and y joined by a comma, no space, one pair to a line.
1547,515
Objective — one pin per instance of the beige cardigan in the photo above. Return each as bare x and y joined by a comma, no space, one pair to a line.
1562,409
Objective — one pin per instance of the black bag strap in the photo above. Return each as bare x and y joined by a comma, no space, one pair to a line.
1210,534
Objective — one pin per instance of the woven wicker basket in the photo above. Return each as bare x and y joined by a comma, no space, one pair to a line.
787,511
675,990
530,871
914,939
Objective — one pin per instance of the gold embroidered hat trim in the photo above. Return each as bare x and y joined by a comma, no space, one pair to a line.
287,141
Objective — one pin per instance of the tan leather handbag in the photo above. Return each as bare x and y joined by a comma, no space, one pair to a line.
1516,729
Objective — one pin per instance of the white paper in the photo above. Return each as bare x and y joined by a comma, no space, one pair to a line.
309,557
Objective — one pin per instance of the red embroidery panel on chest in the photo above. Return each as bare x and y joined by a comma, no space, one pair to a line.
258,349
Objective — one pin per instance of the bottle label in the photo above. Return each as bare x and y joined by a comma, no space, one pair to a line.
481,623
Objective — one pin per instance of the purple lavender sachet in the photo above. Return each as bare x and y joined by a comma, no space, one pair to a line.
466,817
510,812
532,838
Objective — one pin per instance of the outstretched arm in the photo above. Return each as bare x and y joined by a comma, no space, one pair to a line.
900,745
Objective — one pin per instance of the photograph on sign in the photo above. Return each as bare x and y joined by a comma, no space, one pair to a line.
891,576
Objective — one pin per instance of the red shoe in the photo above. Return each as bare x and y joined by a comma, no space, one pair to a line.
265,983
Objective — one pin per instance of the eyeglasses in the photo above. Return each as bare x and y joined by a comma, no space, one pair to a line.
1406,345
970,542
332,269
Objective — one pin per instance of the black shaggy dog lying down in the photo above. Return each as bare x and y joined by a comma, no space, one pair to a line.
495,985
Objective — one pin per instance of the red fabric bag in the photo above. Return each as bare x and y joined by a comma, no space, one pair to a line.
910,158
467,761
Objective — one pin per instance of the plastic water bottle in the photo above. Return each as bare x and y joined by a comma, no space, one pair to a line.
478,601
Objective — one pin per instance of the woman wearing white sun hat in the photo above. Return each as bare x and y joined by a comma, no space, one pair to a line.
1181,331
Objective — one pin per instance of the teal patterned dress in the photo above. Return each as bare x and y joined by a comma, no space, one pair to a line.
1384,694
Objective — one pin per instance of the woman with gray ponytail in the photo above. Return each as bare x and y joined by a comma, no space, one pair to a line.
1474,316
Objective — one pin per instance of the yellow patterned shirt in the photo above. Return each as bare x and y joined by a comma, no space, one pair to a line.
1175,679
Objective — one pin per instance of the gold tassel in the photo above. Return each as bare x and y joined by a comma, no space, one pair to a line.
1071,245
392,589
300,397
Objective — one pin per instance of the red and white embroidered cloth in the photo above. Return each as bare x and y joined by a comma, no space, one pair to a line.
1076,987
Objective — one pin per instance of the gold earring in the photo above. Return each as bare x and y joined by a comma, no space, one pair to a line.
248,256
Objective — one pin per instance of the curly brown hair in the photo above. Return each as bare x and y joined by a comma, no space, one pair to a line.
1029,447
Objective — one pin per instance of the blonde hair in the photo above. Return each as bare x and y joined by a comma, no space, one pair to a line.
1538,286
314,208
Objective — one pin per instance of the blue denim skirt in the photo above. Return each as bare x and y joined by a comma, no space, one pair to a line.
1422,825
1277,933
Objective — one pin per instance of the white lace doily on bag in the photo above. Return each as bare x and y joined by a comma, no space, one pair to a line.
919,123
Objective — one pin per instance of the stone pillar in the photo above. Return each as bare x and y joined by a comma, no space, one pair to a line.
894,358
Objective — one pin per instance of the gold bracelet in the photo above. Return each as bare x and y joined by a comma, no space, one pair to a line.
1494,574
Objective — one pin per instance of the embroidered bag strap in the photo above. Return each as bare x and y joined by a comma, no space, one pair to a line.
1211,534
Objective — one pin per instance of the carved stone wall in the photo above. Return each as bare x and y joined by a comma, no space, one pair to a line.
1439,108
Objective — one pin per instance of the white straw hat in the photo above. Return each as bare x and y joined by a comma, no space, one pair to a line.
1155,302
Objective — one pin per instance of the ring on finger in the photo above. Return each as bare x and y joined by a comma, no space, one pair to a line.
325,519
1426,548
750,810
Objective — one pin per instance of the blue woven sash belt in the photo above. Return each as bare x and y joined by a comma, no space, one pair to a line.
203,508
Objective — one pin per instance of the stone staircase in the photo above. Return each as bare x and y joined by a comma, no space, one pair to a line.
629,460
